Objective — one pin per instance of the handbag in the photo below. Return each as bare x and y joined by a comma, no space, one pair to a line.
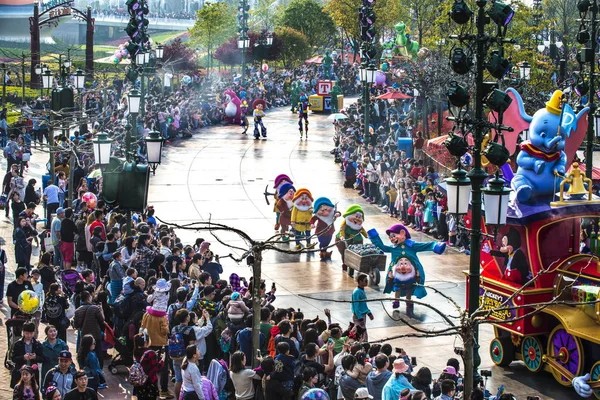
48,244
70,312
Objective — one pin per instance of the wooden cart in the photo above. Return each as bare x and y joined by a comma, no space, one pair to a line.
371,264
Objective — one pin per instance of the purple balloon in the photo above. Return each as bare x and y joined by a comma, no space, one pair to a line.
507,172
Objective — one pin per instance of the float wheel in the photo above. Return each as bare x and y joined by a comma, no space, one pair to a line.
375,276
502,351
594,377
567,350
531,350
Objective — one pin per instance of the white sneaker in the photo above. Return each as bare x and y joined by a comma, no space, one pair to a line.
384,209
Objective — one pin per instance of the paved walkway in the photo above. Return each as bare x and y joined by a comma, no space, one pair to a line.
220,175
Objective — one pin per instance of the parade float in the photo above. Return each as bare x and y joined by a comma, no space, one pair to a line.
540,285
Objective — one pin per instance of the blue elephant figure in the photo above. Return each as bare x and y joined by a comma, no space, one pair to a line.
542,157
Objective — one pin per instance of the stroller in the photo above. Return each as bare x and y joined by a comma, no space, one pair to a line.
68,279
124,355
14,328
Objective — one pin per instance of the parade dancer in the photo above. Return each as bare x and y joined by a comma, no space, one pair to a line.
301,215
350,232
244,116
403,247
303,114
284,206
258,114
279,180
322,220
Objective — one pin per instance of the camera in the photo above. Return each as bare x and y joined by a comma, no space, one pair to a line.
485,373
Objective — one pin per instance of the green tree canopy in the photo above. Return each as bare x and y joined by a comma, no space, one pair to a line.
295,48
215,23
309,18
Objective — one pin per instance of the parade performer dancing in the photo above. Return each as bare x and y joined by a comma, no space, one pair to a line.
303,106
279,180
350,232
405,269
244,116
301,215
258,114
322,220
284,206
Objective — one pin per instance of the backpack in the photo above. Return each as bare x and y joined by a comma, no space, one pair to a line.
173,308
179,340
120,307
299,367
137,376
271,348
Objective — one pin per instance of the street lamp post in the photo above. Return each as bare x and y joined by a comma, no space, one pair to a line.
154,144
4,68
485,94
587,55
243,41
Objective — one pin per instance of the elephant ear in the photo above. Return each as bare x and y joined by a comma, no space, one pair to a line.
515,117
577,135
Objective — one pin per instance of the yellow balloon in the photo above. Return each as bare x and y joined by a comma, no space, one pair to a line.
28,302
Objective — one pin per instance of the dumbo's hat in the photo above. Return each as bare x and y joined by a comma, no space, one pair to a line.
554,106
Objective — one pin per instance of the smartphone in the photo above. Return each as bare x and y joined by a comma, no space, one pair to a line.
257,353
399,350
413,361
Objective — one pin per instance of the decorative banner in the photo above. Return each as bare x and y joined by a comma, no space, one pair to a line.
324,88
493,301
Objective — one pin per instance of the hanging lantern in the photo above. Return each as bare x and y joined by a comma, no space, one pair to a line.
495,198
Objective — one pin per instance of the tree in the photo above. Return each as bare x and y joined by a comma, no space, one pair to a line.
309,18
179,56
215,22
229,53
418,14
262,15
295,48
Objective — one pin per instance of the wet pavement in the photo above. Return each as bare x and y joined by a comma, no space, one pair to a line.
220,175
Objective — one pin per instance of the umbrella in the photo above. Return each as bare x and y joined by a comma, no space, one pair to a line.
394,95
336,116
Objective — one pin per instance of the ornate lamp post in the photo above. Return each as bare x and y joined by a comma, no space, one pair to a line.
154,144
102,145
243,41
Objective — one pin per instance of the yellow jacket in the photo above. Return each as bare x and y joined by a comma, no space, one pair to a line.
158,329
301,219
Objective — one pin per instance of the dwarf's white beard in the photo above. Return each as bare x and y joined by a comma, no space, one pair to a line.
302,207
356,227
328,220
289,203
405,277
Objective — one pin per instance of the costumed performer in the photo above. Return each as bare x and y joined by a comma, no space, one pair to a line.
258,114
324,216
279,180
301,215
303,114
404,247
350,232
284,205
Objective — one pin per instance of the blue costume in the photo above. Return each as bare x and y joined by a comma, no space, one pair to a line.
303,114
409,250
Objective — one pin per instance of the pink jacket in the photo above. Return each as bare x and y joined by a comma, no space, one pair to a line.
236,309
208,390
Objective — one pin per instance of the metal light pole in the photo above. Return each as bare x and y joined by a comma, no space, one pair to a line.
587,55
243,41
4,68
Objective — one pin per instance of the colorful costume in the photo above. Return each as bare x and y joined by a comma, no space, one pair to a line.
258,115
279,180
303,114
284,206
404,247
244,117
350,231
301,215
324,217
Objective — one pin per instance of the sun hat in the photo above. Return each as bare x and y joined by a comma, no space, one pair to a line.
400,366
162,286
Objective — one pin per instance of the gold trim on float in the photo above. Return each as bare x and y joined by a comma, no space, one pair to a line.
575,321
508,287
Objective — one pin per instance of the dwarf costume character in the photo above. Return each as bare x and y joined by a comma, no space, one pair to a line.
404,247
284,206
303,106
258,114
279,180
323,219
301,215
350,232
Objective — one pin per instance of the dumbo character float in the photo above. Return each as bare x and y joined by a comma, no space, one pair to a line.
543,156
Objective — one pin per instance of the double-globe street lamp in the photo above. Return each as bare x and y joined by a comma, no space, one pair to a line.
367,78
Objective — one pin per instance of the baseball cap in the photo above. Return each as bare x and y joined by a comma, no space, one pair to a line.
65,354
362,393
60,210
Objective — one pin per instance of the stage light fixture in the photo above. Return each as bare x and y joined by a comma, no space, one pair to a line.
458,95
498,66
498,101
461,63
461,13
